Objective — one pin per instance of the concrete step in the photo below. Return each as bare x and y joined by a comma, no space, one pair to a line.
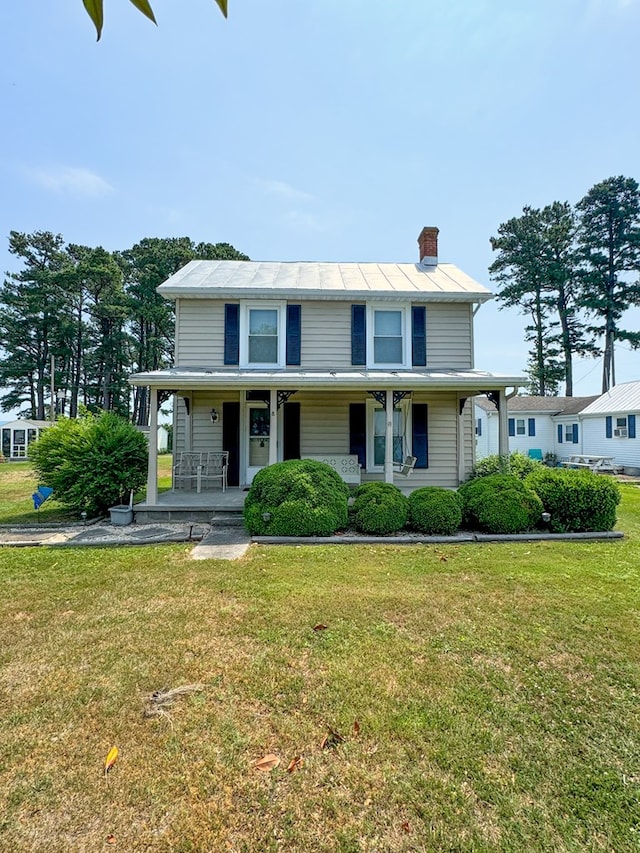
226,519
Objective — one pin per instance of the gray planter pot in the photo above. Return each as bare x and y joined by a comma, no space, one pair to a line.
121,514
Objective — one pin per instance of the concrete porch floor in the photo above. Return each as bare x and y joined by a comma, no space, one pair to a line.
188,505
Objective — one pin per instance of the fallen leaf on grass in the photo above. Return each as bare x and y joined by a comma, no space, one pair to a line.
111,839
356,727
331,739
110,759
319,627
268,763
406,827
295,764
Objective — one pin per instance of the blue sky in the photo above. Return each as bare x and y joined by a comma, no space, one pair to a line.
328,130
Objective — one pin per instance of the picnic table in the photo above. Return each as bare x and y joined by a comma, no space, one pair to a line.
598,464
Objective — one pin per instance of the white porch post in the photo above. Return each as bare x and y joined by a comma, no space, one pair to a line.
273,426
503,425
388,443
152,472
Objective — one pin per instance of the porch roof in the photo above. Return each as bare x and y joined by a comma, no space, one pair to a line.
198,378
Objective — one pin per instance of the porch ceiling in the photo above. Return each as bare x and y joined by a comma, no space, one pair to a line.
472,381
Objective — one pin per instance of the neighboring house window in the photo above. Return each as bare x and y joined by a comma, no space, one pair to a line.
625,427
520,426
388,339
262,335
479,427
571,433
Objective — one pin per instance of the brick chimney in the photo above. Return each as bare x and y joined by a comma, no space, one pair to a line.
428,243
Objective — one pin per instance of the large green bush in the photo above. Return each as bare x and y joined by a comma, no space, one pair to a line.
500,503
300,497
91,463
435,511
519,465
577,501
380,508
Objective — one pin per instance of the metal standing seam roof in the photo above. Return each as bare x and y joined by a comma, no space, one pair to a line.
439,282
621,398
463,380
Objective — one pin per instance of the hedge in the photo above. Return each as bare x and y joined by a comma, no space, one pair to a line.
578,501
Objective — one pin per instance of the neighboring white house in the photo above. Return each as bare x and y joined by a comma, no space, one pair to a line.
535,424
609,426
602,425
18,435
373,361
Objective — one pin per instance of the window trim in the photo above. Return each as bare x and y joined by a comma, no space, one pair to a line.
405,314
372,406
266,305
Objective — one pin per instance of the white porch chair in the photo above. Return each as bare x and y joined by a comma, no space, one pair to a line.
186,471
214,467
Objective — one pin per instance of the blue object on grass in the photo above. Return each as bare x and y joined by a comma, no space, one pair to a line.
41,495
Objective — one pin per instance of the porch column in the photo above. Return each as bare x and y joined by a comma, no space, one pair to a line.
388,442
273,426
503,425
152,472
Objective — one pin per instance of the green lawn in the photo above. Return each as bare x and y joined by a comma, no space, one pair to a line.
18,483
487,697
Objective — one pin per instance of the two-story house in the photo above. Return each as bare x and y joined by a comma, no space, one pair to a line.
277,361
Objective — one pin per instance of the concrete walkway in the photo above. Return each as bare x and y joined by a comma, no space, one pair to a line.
209,543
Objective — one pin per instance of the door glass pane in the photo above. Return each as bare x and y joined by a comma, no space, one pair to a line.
258,437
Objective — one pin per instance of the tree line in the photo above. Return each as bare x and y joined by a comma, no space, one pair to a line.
574,272
96,313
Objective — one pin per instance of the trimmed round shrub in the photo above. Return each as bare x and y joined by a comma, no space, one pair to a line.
435,511
300,497
380,508
578,501
92,462
501,503
519,465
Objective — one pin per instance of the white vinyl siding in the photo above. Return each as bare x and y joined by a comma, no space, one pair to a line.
325,334
449,336
626,451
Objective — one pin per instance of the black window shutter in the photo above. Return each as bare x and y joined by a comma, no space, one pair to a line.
418,336
358,432
420,434
232,334
358,334
479,427
532,426
293,333
631,420
512,426
575,433
559,433
608,427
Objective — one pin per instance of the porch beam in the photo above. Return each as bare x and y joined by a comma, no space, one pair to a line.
388,444
152,471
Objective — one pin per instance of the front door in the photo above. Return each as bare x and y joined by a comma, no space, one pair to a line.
257,423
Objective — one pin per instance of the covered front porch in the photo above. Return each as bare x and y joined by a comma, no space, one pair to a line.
377,417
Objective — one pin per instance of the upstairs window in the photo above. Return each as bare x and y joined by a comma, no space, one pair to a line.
262,335
388,343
